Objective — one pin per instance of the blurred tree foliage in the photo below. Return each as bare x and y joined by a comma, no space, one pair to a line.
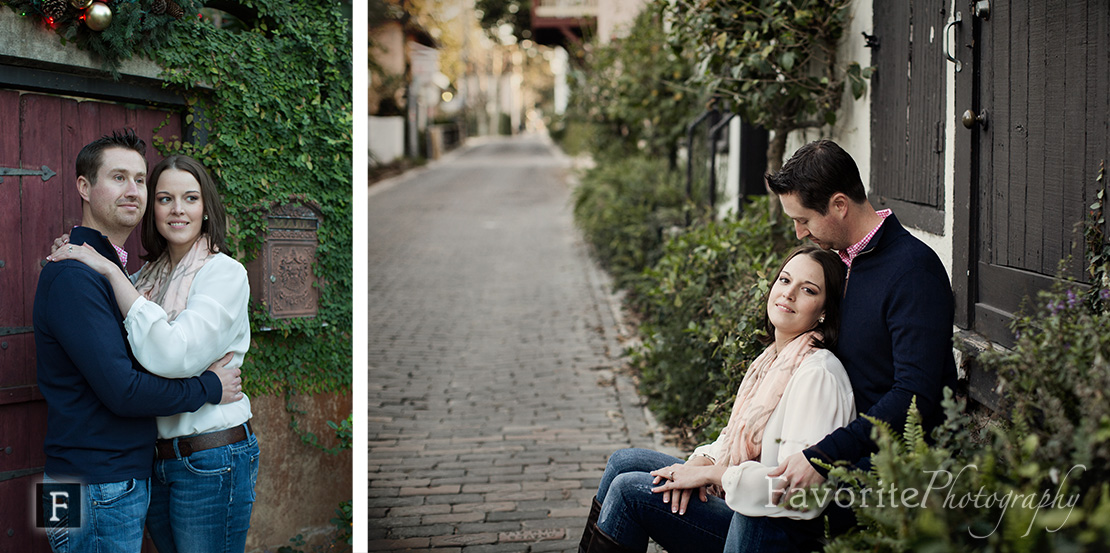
775,60
517,14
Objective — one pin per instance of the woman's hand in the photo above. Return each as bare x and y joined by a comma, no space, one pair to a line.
683,479
59,242
85,254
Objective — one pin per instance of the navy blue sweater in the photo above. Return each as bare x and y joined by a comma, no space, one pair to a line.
100,402
895,339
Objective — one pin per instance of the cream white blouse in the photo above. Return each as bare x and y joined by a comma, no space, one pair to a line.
817,400
214,322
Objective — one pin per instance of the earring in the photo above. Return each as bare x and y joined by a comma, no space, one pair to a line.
821,319
205,217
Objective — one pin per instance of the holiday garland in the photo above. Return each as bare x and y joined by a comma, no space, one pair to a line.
126,27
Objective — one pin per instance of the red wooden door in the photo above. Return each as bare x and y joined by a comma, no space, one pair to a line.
39,130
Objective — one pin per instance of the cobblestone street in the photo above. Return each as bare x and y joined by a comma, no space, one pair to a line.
493,337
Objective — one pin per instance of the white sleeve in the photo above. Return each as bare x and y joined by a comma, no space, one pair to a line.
815,403
202,333
712,450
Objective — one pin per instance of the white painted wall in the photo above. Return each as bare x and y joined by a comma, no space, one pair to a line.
387,138
614,18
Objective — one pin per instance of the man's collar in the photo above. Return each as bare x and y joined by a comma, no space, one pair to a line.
85,235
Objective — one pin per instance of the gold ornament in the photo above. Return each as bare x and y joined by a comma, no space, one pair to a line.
98,16
81,4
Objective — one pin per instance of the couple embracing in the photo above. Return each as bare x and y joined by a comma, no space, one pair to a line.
862,330
145,410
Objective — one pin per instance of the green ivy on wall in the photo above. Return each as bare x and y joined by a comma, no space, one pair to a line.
275,101
274,97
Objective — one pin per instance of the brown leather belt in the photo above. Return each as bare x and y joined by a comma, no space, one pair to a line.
189,445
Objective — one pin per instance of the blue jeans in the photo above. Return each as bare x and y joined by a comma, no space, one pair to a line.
202,503
770,534
631,514
111,522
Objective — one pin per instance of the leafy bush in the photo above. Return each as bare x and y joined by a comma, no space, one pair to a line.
1057,375
776,61
968,493
623,208
701,306
633,90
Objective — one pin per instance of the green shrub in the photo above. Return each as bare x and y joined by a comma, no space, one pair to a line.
632,91
623,208
701,309
971,491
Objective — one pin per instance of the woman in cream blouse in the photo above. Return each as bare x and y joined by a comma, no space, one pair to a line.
792,395
186,309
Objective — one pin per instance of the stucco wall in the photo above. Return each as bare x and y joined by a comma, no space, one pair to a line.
23,41
299,486
387,139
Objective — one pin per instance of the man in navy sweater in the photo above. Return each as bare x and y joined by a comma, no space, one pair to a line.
101,403
896,320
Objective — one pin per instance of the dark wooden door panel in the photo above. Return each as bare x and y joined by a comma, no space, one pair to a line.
1041,73
907,116
17,523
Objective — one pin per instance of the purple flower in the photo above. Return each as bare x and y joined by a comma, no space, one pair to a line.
1104,294
1073,300
1055,307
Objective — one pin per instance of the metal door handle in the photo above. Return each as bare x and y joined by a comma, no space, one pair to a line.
982,9
944,37
970,119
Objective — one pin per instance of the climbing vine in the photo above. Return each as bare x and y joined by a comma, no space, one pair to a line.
273,98
275,101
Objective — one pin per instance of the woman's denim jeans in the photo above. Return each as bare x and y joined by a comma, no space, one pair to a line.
631,514
202,503
112,517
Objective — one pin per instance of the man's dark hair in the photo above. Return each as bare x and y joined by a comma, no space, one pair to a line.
817,171
91,156
215,227
835,274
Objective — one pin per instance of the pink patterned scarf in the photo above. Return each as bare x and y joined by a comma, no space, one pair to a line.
170,289
759,395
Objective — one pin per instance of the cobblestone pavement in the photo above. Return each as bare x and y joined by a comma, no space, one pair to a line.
493,342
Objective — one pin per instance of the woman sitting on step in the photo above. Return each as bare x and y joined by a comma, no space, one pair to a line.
794,394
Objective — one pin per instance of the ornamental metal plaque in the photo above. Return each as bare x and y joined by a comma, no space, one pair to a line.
282,277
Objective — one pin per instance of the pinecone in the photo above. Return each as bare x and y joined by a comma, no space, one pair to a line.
174,10
158,7
55,8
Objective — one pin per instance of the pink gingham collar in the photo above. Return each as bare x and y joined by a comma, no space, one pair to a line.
122,253
848,254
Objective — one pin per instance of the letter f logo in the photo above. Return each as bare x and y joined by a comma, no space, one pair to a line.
55,504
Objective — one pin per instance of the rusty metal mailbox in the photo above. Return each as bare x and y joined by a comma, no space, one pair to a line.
282,277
